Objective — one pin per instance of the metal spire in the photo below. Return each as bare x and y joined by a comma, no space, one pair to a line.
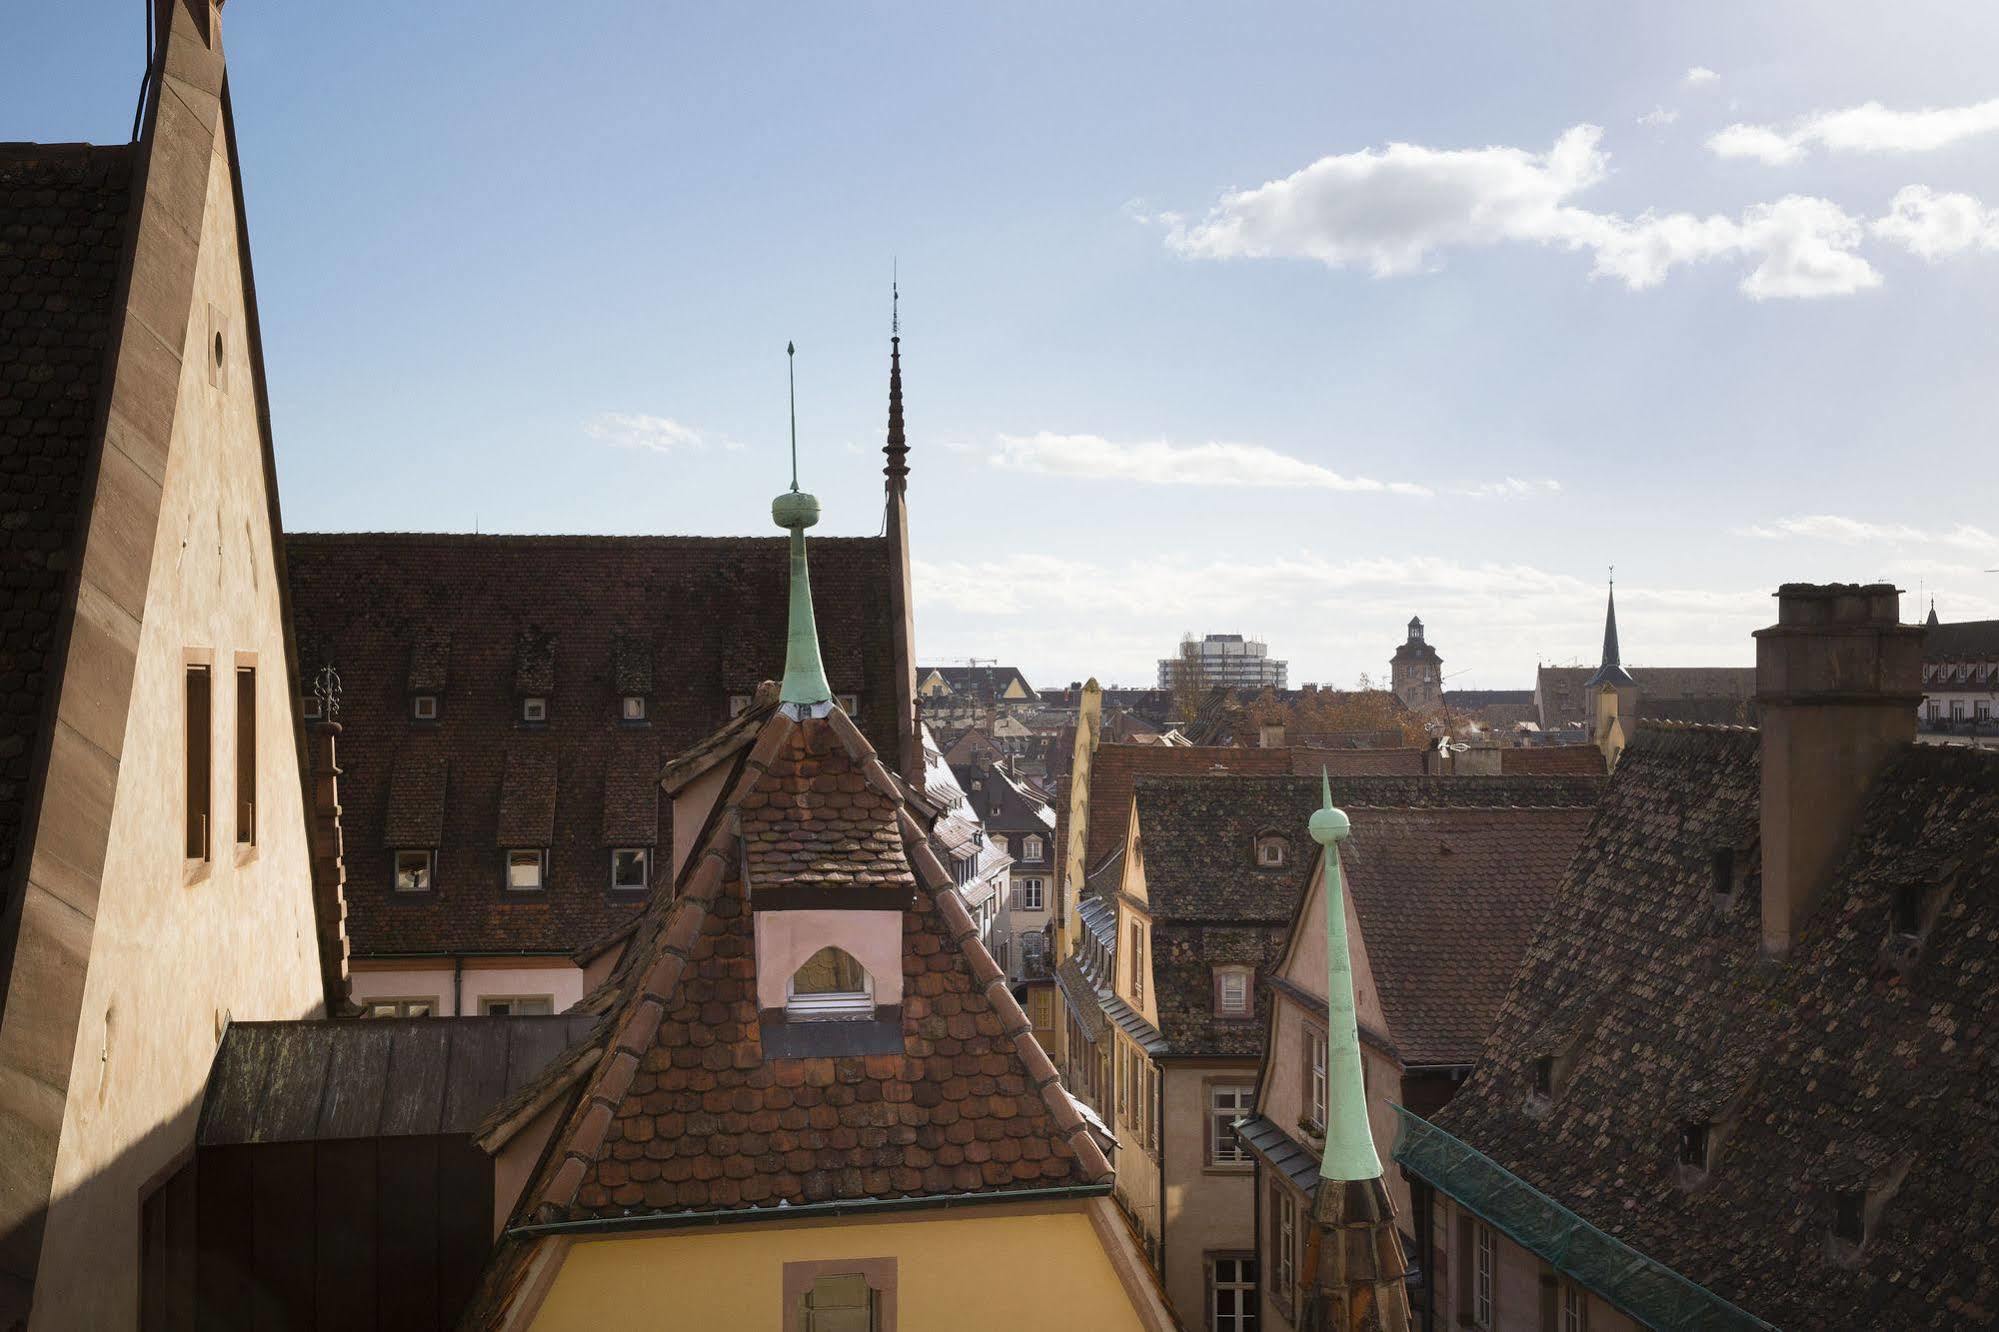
1610,670
804,675
1349,1153
897,448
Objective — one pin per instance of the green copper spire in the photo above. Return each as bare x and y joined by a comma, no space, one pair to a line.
804,676
1349,1153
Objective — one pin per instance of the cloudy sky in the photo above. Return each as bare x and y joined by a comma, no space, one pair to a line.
1288,320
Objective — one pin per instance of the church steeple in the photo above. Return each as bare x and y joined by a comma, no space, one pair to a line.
1610,671
897,448
804,676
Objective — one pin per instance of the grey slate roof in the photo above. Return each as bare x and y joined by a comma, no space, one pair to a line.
1975,639
1835,1069
1285,1154
385,1077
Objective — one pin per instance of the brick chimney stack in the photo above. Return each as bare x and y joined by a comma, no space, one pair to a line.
1838,680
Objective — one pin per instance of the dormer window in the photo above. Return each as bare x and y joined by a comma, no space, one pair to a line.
413,871
1000,844
526,870
1721,877
849,703
1908,910
1849,1217
1694,1141
311,707
1270,851
632,708
534,711
628,869
1232,992
423,707
830,986
738,704
1030,848
1544,1077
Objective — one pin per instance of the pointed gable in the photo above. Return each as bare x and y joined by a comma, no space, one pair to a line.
694,1109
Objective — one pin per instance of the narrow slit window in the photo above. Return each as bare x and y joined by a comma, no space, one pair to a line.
197,762
1694,1145
246,756
1849,1220
1908,909
1544,1076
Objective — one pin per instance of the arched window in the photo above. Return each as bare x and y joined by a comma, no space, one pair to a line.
830,984
1270,851
1030,848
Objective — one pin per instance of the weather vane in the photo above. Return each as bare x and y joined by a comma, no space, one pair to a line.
791,381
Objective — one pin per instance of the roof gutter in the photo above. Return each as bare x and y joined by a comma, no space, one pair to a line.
613,1225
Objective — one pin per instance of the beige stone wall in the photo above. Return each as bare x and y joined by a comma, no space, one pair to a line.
175,956
1207,1208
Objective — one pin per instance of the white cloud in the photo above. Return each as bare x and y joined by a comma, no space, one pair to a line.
1394,210
1699,75
1157,462
1856,531
636,430
1867,128
1511,488
1659,117
1931,225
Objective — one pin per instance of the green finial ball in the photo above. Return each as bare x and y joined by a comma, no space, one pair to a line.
1330,825
795,509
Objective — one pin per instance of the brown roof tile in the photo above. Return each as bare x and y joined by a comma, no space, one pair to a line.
631,790
416,795
527,794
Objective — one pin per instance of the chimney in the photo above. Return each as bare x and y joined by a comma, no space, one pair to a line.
1270,735
1838,680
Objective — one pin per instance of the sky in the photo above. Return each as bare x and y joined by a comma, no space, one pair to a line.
1287,320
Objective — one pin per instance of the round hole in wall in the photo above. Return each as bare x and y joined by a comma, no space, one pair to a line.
218,350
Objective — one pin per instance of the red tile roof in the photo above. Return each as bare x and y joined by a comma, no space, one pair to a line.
478,620
687,1111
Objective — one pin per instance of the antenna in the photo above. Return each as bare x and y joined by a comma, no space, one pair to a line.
894,299
791,381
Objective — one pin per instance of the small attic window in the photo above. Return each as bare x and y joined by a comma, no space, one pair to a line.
830,985
632,708
849,703
534,711
1694,1141
1908,909
1721,877
310,706
1849,1217
1270,851
423,707
1544,1077
738,704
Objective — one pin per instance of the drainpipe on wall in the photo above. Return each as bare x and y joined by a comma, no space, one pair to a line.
1159,1118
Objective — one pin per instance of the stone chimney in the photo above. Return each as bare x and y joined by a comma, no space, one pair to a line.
1838,680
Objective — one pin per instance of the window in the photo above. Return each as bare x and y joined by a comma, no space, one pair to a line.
1721,876
1124,1084
1270,852
197,762
1227,1104
1575,1308
1694,1145
524,870
1041,1007
534,711
1315,1058
1544,1076
1284,1238
311,707
539,1005
738,704
1484,1270
395,1008
1000,844
1232,1281
628,870
1138,962
1849,1217
849,703
1031,894
246,756
1232,992
423,707
413,871
1908,909
840,1295
830,984
1030,847
1033,950
633,708
1957,709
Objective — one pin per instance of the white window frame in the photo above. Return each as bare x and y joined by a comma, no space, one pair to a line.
1484,1272
644,855
1031,848
1270,852
1033,894
1238,977
1228,1102
423,707
849,704
1574,1313
516,857
1286,1243
429,869
632,708
738,704
1318,1088
544,1004
1244,1286
534,710
400,1006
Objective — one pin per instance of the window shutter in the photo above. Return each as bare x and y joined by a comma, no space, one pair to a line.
1014,896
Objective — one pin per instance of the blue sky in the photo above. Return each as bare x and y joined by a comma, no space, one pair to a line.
1190,343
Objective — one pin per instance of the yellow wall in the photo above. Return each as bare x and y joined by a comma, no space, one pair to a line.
950,1273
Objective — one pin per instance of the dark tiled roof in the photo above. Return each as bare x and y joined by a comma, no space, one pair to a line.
689,1111
1828,1070
389,1077
1283,1152
62,230
1967,639
984,681
1340,761
1551,760
631,791
812,820
1471,700
1114,767
1448,899
1717,695
478,620
527,794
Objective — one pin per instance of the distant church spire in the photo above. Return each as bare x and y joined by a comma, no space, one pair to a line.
804,676
1610,670
897,447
